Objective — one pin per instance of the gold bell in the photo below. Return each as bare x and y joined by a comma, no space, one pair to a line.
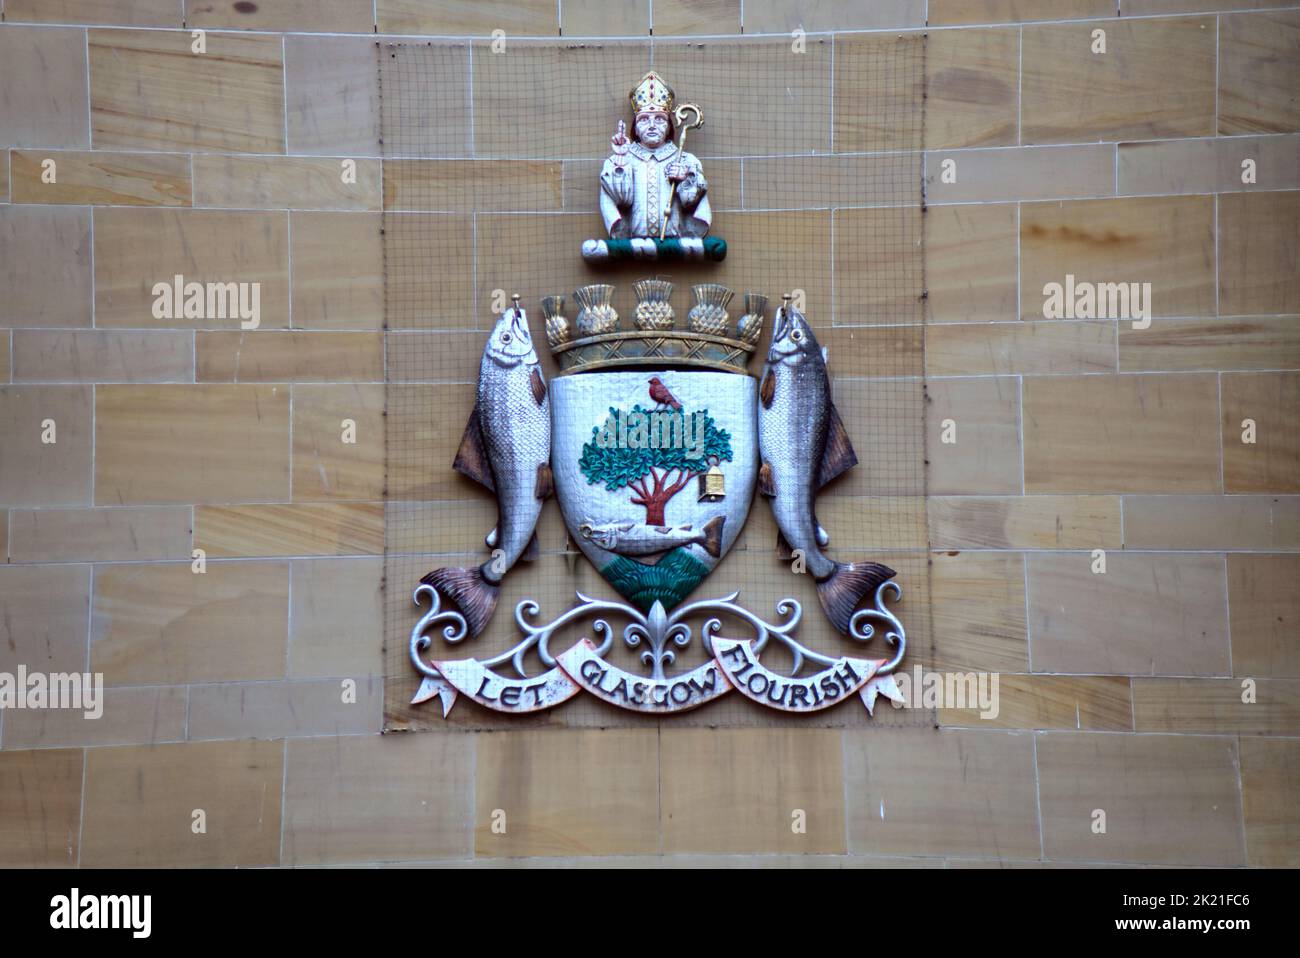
712,485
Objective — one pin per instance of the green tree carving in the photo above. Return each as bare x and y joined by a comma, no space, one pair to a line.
653,475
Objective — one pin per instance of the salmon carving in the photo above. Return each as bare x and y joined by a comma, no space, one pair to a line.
507,448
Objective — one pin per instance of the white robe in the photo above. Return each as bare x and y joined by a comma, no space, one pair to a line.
632,200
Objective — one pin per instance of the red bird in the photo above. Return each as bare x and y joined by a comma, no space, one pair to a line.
660,394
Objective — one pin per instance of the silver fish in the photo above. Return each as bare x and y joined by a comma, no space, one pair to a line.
507,448
638,539
803,445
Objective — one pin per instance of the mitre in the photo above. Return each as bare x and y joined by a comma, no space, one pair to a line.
652,95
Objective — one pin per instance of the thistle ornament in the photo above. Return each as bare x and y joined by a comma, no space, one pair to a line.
709,314
653,308
750,326
597,315
557,326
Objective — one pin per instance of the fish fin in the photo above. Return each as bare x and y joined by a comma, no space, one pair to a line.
471,458
838,455
826,354
472,594
823,537
713,536
766,484
842,590
783,547
490,540
767,391
544,488
538,385
532,550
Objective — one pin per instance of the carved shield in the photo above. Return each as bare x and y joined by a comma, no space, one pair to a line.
655,473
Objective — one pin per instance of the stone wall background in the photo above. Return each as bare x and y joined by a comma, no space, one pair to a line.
1119,691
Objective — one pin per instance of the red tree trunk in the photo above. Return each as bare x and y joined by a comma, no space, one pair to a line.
654,510
656,497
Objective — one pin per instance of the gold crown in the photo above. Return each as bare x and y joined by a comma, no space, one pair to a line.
597,342
652,93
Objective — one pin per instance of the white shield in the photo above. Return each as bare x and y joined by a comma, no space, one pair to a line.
655,473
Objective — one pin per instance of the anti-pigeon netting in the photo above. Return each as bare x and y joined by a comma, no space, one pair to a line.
812,148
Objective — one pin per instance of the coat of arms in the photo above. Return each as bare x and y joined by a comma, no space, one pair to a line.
654,440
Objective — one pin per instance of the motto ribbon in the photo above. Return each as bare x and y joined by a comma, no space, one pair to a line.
734,664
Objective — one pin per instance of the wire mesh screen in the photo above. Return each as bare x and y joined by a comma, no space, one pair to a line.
812,151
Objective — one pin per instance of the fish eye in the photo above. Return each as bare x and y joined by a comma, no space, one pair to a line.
797,335
505,337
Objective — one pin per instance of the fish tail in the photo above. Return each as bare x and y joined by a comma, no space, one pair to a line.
473,594
713,536
842,590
